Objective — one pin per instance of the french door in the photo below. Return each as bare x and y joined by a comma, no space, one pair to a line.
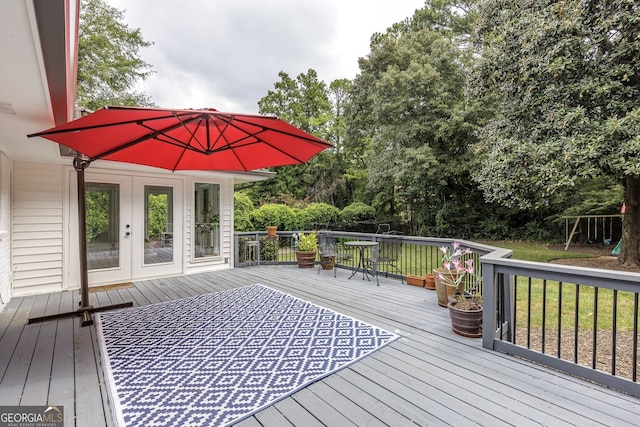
134,227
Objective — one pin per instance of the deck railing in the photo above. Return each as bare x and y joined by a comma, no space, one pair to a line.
582,321
420,255
578,320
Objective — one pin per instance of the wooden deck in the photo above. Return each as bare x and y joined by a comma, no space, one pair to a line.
429,377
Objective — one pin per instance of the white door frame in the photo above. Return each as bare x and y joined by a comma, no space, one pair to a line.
139,269
131,260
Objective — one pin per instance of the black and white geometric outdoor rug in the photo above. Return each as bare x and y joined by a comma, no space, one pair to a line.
214,359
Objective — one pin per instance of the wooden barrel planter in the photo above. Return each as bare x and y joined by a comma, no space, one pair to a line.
327,262
306,259
467,323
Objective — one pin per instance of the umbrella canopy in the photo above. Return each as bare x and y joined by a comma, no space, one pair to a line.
175,140
186,139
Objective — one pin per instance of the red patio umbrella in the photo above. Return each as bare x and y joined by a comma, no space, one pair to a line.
186,139
176,140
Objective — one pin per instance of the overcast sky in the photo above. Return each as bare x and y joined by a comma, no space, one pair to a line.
227,54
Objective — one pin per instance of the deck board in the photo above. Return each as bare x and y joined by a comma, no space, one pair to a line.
270,417
324,412
62,387
92,411
359,396
333,399
429,376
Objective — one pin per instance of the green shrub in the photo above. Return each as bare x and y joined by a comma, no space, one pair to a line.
242,208
358,211
268,249
279,215
316,214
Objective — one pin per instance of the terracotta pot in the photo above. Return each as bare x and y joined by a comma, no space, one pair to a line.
306,259
415,280
442,290
271,230
430,281
467,323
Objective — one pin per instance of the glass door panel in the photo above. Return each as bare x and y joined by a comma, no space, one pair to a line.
103,225
158,224
156,239
206,220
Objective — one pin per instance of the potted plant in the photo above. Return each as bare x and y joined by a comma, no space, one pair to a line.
271,230
450,278
415,280
306,250
465,305
465,310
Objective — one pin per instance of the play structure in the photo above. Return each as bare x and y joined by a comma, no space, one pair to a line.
594,229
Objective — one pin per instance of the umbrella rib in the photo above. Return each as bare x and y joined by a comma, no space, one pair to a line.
154,135
187,146
231,145
103,125
310,138
228,145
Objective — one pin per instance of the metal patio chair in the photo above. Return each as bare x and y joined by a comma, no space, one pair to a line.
330,253
389,251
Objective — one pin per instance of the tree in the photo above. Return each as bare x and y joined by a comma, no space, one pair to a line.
303,102
109,64
409,112
566,79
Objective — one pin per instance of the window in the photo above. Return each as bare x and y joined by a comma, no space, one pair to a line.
206,220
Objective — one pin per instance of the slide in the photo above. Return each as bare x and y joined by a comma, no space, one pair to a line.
616,250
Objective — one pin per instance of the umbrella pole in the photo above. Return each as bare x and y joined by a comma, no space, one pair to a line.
80,166
85,310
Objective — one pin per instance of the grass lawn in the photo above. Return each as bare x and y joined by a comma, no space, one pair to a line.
553,292
537,252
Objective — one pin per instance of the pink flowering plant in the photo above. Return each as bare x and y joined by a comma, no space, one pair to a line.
459,263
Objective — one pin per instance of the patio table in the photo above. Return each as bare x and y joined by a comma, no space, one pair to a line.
362,245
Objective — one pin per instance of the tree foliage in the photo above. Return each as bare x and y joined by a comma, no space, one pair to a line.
410,99
282,216
308,104
157,219
97,208
566,77
109,64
